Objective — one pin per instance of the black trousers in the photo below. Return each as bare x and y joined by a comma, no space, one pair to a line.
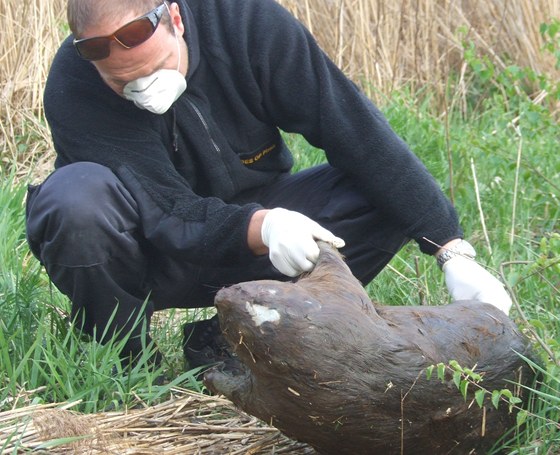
83,225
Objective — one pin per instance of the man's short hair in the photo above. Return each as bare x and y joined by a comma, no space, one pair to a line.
81,14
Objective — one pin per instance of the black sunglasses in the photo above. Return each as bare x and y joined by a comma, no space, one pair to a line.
128,36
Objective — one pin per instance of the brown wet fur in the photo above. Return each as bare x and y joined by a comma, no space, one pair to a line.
348,377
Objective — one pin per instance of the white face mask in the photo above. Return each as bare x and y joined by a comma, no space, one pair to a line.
158,91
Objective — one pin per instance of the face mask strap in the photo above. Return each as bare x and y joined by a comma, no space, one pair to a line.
176,37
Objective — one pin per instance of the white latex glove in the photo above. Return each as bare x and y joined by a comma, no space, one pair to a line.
467,280
291,240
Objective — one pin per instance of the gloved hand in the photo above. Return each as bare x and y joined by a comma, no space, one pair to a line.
467,280
291,240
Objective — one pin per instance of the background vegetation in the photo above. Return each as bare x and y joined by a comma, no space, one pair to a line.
471,86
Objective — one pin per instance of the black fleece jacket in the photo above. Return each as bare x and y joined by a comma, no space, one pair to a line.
253,69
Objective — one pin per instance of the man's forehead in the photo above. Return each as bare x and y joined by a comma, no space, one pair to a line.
108,16
108,23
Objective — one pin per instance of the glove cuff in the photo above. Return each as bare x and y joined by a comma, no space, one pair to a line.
268,221
462,248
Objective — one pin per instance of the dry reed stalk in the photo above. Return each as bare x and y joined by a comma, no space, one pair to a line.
419,42
480,210
189,423
382,45
30,33
516,184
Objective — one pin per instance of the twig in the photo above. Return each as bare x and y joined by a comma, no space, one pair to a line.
449,158
516,184
403,397
421,295
480,211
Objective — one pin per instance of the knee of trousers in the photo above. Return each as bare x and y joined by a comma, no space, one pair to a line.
78,215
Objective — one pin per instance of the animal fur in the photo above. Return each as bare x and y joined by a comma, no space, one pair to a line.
326,366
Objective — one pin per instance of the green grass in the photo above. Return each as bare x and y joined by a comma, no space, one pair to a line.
504,149
42,359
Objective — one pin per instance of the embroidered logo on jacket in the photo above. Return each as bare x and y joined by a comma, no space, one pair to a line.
258,156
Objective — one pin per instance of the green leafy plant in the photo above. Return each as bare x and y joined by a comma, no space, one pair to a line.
464,377
551,35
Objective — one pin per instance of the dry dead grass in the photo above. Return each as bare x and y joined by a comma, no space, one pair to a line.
391,43
381,44
30,32
189,423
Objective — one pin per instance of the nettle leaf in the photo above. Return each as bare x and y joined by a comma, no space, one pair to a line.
479,397
471,374
496,398
507,393
521,417
441,371
429,372
455,365
463,388
457,379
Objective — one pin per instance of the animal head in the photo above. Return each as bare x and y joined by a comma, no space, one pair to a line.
260,316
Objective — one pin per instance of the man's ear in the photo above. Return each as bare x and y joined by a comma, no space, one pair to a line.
176,19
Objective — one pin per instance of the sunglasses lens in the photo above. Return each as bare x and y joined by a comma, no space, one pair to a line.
136,32
94,48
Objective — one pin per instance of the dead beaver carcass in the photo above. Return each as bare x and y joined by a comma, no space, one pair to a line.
327,367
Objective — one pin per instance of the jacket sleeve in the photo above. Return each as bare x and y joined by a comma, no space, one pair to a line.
90,123
304,92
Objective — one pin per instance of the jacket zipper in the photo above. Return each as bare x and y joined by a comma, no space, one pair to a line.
206,127
174,131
